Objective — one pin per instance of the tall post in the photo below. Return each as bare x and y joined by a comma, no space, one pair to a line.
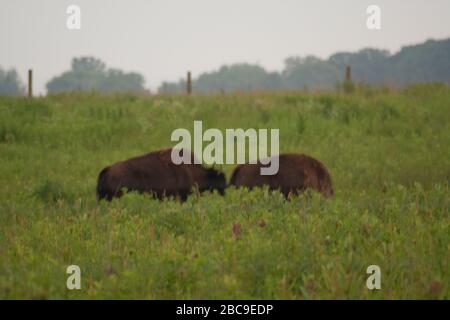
30,82
348,73
189,83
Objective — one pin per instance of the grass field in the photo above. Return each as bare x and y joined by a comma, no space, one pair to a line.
387,151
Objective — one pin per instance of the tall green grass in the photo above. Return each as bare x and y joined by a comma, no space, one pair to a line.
387,151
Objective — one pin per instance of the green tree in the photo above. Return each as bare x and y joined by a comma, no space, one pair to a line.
89,73
310,72
10,83
367,65
236,77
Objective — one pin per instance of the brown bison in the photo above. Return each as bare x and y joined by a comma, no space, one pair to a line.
155,173
296,173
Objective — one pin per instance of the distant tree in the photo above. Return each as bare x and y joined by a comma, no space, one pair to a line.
242,77
89,74
116,80
425,62
368,65
10,83
310,72
88,64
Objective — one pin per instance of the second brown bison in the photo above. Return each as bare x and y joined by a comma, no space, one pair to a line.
296,173
155,173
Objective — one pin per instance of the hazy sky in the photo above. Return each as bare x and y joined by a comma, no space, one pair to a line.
162,39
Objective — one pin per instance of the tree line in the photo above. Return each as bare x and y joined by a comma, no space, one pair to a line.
425,62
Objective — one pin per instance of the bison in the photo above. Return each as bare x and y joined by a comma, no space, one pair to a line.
296,173
155,173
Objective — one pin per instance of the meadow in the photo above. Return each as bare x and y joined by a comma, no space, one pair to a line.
387,151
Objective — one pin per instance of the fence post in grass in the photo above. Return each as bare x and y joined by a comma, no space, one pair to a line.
348,84
348,73
30,83
189,83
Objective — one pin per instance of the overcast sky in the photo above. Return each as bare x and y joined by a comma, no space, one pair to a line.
162,39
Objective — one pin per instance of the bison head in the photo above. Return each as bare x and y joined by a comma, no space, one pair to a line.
216,180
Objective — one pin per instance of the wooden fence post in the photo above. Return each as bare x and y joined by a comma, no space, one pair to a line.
348,73
189,83
30,82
